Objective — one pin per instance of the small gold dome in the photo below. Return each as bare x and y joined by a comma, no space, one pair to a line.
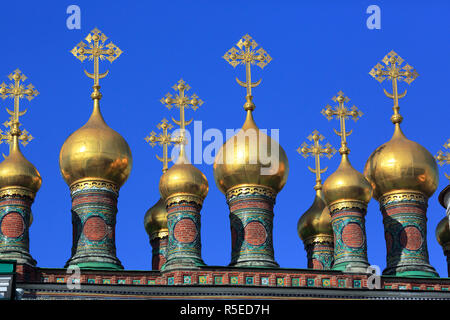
245,166
346,183
401,164
183,178
316,221
443,232
95,151
17,171
442,194
155,220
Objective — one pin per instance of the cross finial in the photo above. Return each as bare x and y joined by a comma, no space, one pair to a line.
342,113
248,55
444,157
96,50
164,139
182,102
317,151
8,136
16,91
394,70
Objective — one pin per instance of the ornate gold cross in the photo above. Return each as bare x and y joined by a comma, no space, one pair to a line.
246,54
182,102
444,157
16,91
164,139
96,50
394,70
342,113
22,135
317,151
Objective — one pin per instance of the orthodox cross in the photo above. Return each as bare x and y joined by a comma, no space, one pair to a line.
182,102
164,139
16,91
246,54
316,150
96,50
444,157
394,70
342,113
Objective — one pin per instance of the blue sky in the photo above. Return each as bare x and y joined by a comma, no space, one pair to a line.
318,48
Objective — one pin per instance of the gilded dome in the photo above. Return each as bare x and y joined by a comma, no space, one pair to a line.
346,183
183,178
442,198
95,151
17,171
155,220
316,221
401,164
243,165
443,232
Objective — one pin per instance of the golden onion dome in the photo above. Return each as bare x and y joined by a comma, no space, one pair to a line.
443,232
401,164
346,183
244,165
316,221
95,151
183,178
155,220
17,171
443,198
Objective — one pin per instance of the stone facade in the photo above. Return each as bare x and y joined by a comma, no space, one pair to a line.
226,282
